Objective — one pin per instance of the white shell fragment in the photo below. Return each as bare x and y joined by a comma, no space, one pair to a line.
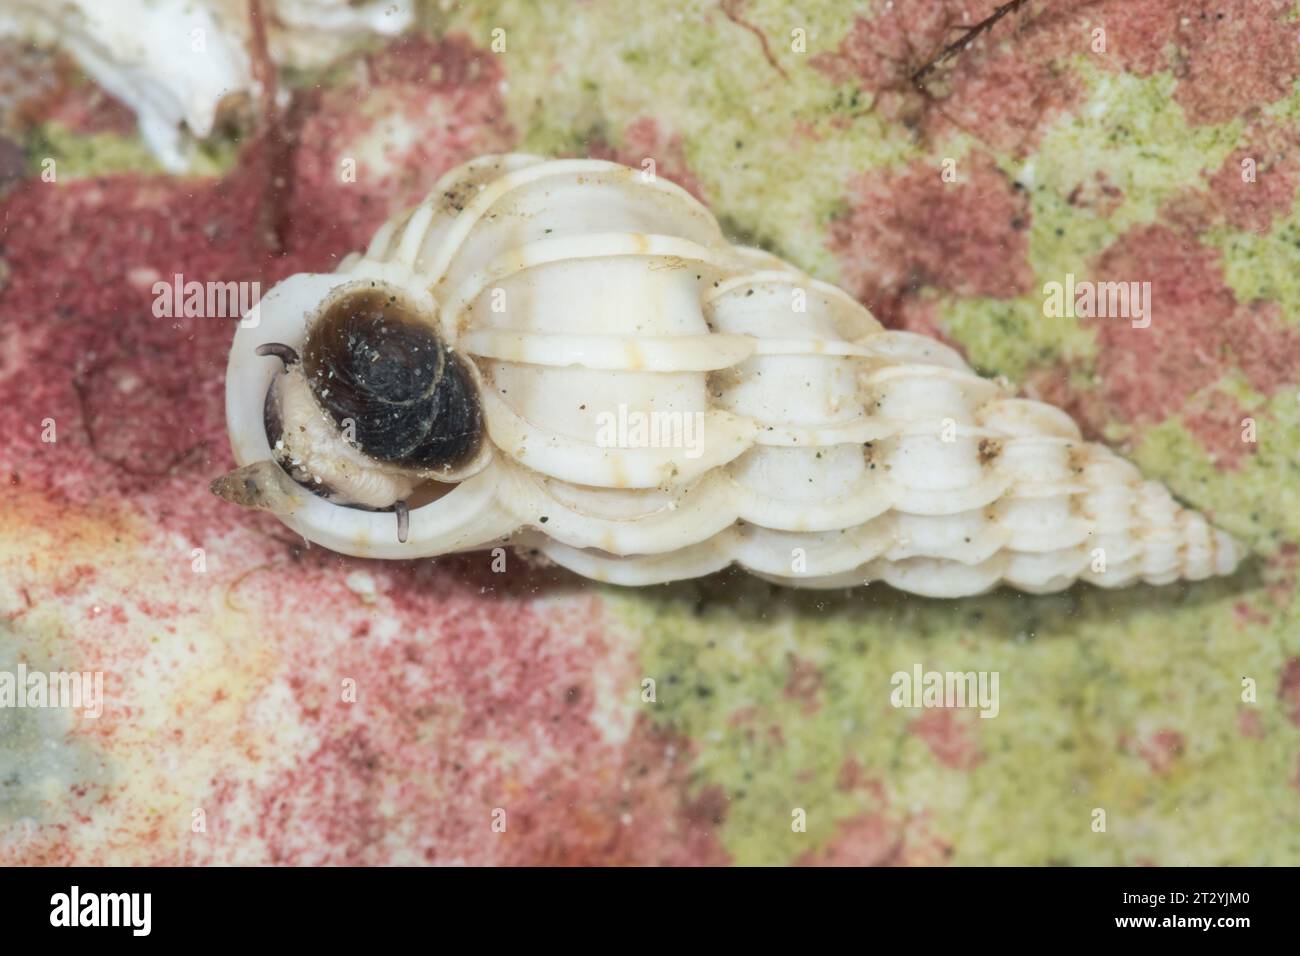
660,404
175,62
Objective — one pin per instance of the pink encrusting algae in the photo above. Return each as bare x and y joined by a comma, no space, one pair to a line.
1151,373
902,234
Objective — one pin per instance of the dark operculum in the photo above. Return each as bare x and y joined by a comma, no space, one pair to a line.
369,360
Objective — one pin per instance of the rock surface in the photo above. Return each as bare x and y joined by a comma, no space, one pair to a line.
268,703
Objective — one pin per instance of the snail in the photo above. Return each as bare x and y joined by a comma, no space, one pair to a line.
568,357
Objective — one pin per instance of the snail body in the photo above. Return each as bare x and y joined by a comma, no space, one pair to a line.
591,371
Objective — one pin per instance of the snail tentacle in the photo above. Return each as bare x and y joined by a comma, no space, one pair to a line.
403,512
285,353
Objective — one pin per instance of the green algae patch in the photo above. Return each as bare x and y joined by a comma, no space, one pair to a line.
78,156
1127,702
1013,336
1112,165
1263,266
82,156
39,776
772,146
1259,501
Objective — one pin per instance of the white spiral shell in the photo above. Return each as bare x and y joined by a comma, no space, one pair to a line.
808,444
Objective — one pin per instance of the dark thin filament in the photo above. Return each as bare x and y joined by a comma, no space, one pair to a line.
284,353
403,520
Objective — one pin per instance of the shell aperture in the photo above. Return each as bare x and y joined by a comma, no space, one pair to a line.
370,361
